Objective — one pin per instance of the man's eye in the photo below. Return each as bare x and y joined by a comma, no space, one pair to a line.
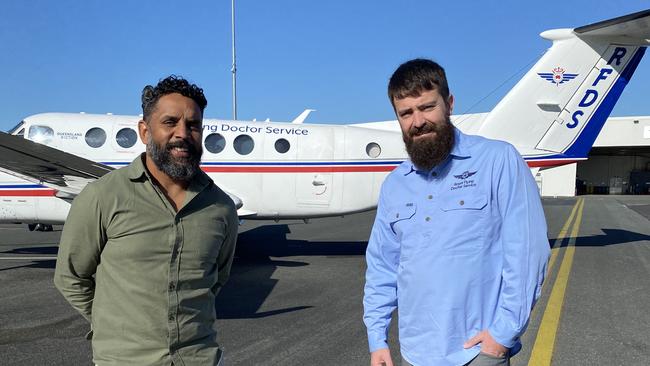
405,114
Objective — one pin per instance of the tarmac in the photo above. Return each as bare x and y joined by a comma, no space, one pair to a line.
294,296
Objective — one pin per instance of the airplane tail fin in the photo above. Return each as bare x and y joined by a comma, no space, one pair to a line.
561,104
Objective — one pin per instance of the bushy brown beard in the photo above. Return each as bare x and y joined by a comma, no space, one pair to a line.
429,151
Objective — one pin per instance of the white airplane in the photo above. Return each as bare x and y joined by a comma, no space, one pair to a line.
292,170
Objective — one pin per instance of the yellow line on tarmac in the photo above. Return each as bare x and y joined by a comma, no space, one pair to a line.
555,248
542,353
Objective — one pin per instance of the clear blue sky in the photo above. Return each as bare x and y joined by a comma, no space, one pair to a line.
333,56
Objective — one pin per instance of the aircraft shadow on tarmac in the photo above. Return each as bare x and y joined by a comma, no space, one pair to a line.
609,237
45,251
250,282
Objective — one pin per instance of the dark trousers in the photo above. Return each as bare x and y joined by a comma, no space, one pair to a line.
480,360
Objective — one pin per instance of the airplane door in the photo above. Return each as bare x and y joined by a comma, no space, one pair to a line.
314,186
279,187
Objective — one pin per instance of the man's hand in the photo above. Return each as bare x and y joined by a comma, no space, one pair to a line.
488,344
381,357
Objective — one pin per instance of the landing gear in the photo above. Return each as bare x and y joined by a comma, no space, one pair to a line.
39,227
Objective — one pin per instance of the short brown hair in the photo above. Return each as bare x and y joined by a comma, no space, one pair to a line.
415,76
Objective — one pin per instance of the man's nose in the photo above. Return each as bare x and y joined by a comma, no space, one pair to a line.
418,119
182,130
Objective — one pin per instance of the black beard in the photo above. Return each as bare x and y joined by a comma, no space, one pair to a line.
183,169
429,151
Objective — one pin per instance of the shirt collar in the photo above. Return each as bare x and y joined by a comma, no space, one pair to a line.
460,150
137,169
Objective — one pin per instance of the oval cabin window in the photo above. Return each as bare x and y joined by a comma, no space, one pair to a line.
244,144
126,137
95,137
282,146
373,150
215,143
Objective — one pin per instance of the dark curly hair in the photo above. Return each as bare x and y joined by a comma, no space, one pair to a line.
169,85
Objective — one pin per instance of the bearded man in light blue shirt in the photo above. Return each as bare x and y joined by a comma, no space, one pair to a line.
459,243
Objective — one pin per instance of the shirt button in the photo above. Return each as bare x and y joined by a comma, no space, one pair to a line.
430,197
461,202
171,316
397,216
171,286
428,218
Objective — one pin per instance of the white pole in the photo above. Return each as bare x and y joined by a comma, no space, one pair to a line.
234,67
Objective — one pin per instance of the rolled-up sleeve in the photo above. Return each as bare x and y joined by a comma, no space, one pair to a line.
81,244
525,248
380,292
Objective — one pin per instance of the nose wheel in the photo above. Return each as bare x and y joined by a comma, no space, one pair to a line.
39,227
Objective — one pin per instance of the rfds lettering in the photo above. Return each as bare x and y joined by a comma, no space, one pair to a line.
591,95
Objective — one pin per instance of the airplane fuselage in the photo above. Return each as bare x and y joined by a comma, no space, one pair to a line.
277,170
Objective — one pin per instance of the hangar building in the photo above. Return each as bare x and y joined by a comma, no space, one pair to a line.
619,163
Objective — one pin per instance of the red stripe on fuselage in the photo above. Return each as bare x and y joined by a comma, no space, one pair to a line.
548,163
297,169
27,192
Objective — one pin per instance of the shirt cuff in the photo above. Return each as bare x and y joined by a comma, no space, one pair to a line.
376,341
504,334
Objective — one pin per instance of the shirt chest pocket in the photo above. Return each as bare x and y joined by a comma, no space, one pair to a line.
401,219
462,223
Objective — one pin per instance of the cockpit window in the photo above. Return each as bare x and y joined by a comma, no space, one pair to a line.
126,137
18,129
40,134
95,137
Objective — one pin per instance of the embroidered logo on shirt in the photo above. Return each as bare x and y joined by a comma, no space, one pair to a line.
466,174
464,181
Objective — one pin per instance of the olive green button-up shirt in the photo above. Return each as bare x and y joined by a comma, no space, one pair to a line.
144,275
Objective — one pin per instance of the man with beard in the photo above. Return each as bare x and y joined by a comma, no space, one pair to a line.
459,242
146,248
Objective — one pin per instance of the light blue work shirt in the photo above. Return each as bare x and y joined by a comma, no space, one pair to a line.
456,250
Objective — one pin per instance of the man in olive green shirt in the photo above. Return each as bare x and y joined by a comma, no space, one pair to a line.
146,248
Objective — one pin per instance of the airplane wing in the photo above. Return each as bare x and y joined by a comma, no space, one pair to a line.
238,204
68,174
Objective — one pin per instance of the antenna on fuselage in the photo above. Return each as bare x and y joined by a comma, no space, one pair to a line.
234,66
